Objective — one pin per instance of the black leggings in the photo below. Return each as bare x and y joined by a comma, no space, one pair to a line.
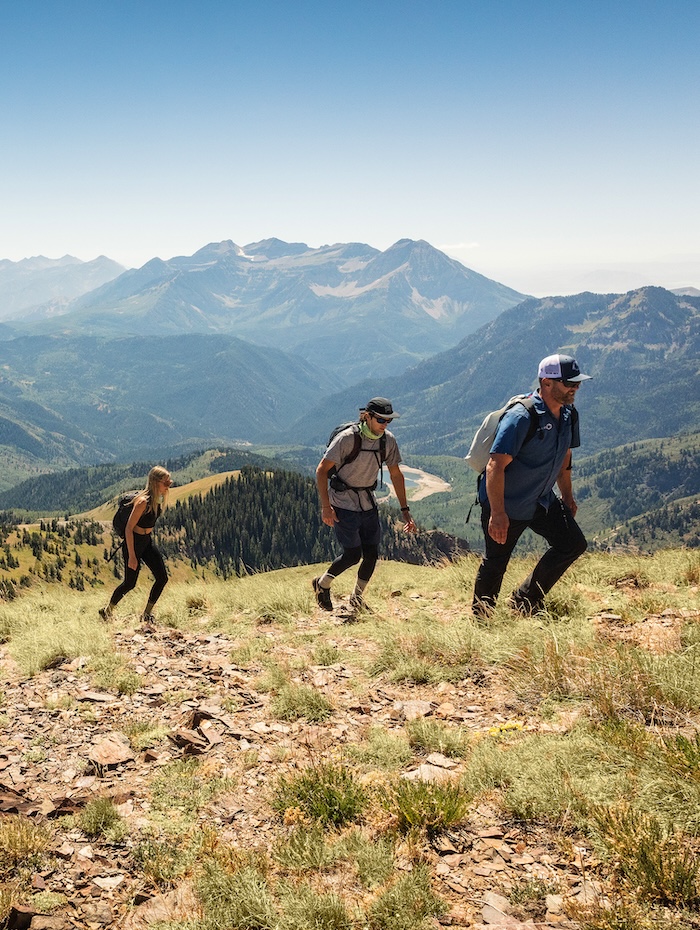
350,557
147,553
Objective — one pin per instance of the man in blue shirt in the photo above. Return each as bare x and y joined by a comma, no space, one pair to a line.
516,491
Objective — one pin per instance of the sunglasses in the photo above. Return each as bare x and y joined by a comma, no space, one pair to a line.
568,384
380,419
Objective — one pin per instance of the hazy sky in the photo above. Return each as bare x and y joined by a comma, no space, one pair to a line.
549,144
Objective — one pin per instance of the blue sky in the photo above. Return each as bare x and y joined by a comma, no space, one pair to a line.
552,146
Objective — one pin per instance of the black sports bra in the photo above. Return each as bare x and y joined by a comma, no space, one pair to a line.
148,518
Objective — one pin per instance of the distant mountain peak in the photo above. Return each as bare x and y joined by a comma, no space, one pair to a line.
274,248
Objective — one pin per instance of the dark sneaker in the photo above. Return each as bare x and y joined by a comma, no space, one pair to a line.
523,606
323,596
148,619
105,613
357,604
481,610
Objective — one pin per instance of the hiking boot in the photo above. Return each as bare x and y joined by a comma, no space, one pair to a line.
323,595
105,613
357,604
148,619
481,610
522,606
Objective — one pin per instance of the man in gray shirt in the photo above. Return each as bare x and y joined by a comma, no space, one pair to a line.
348,503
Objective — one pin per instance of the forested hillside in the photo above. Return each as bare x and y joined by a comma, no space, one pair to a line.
254,521
79,489
265,520
642,494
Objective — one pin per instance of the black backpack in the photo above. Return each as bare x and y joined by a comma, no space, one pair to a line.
337,483
124,507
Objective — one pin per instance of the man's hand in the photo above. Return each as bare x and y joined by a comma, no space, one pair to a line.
498,527
409,524
571,504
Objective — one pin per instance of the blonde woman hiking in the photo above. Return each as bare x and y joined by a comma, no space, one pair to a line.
138,544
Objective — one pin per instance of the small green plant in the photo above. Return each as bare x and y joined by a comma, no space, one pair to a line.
659,863
529,896
374,859
99,818
22,844
408,904
163,862
303,908
142,734
47,901
326,793
296,702
429,806
112,672
416,671
326,654
383,749
184,787
433,736
238,899
305,849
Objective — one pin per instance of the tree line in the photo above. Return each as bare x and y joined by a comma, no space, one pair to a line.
264,520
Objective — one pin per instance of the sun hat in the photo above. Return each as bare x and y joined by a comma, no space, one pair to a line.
561,366
381,407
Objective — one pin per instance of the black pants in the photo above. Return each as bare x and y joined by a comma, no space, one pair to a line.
147,553
566,541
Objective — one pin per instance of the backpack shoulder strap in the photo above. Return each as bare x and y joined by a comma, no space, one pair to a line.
529,404
357,445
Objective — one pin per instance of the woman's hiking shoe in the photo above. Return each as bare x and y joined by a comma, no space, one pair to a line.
357,604
323,595
105,613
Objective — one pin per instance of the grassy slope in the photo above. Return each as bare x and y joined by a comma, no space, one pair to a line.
550,725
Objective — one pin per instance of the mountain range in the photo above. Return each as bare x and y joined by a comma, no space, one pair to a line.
86,391
348,308
49,283
642,349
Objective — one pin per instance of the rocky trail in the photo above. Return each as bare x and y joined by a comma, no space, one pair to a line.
64,745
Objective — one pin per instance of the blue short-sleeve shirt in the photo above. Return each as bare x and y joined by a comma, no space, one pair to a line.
531,476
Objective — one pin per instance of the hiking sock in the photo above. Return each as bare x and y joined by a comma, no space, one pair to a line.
325,580
360,585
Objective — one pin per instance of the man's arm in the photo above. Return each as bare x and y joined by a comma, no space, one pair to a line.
564,485
328,514
495,491
399,483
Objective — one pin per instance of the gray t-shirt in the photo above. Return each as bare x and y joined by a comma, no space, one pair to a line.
363,472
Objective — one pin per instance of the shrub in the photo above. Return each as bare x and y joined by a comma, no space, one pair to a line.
21,844
305,849
241,899
659,863
433,736
327,793
407,905
429,806
294,702
99,817
305,908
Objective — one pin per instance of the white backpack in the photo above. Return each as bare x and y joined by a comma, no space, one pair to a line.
478,455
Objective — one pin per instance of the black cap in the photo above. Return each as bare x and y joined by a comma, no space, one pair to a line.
380,406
